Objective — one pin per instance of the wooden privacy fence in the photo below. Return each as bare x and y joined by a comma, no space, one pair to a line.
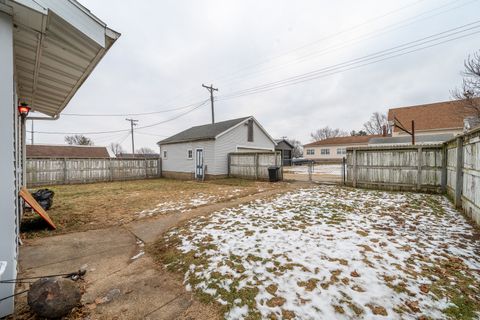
416,168
251,165
463,172
452,168
46,171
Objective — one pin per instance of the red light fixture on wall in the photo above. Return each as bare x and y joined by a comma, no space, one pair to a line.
23,109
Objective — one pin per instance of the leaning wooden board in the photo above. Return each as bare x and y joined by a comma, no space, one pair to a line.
36,207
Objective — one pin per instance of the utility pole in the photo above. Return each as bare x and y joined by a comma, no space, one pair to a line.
31,132
133,123
211,89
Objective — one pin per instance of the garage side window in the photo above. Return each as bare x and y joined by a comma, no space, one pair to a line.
325,151
250,130
164,154
310,152
190,154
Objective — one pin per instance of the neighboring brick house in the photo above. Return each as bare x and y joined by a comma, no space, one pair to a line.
64,151
434,123
334,149
434,118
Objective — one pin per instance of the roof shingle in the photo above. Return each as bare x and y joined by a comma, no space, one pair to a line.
204,132
52,151
433,116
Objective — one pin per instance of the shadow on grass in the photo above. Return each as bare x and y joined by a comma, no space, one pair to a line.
34,224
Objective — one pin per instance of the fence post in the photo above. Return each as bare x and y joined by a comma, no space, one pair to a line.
159,167
110,169
344,160
229,161
443,183
459,173
65,176
354,173
419,168
146,167
256,166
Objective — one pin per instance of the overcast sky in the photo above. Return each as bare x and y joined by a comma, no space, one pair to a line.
169,48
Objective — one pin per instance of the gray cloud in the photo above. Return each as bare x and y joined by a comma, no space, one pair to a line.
169,48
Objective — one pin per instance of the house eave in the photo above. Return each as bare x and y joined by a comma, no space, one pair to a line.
160,143
57,46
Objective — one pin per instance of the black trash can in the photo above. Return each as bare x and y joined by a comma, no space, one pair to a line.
273,173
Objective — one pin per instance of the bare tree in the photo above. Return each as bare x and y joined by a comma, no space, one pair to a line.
327,132
358,133
79,140
376,123
470,88
145,150
297,151
116,148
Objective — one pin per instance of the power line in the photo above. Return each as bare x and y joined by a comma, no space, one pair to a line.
373,58
125,130
128,114
344,31
324,38
329,49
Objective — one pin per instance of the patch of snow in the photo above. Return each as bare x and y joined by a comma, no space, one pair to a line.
138,255
332,169
326,248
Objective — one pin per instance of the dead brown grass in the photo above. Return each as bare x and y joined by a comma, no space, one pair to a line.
99,205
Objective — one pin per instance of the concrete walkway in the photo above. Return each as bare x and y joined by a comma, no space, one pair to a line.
117,267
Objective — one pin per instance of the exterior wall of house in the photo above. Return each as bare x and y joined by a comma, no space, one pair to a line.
332,149
399,133
177,156
10,167
236,140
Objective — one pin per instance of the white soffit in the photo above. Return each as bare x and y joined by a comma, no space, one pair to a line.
52,55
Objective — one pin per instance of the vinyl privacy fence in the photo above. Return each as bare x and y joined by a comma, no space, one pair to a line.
452,168
69,171
253,165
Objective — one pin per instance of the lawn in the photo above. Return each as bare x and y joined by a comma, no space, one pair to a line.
92,206
331,253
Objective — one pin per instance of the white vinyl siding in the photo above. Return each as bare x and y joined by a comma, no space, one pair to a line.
11,164
177,156
237,140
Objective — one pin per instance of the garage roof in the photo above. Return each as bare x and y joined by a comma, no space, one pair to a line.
57,44
205,132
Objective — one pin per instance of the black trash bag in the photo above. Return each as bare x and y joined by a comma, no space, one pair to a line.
44,197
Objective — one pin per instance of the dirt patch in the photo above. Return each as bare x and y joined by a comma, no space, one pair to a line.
100,205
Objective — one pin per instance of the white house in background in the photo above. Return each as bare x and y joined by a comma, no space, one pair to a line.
334,149
47,50
203,150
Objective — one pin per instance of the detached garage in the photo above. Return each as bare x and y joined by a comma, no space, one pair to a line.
202,151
